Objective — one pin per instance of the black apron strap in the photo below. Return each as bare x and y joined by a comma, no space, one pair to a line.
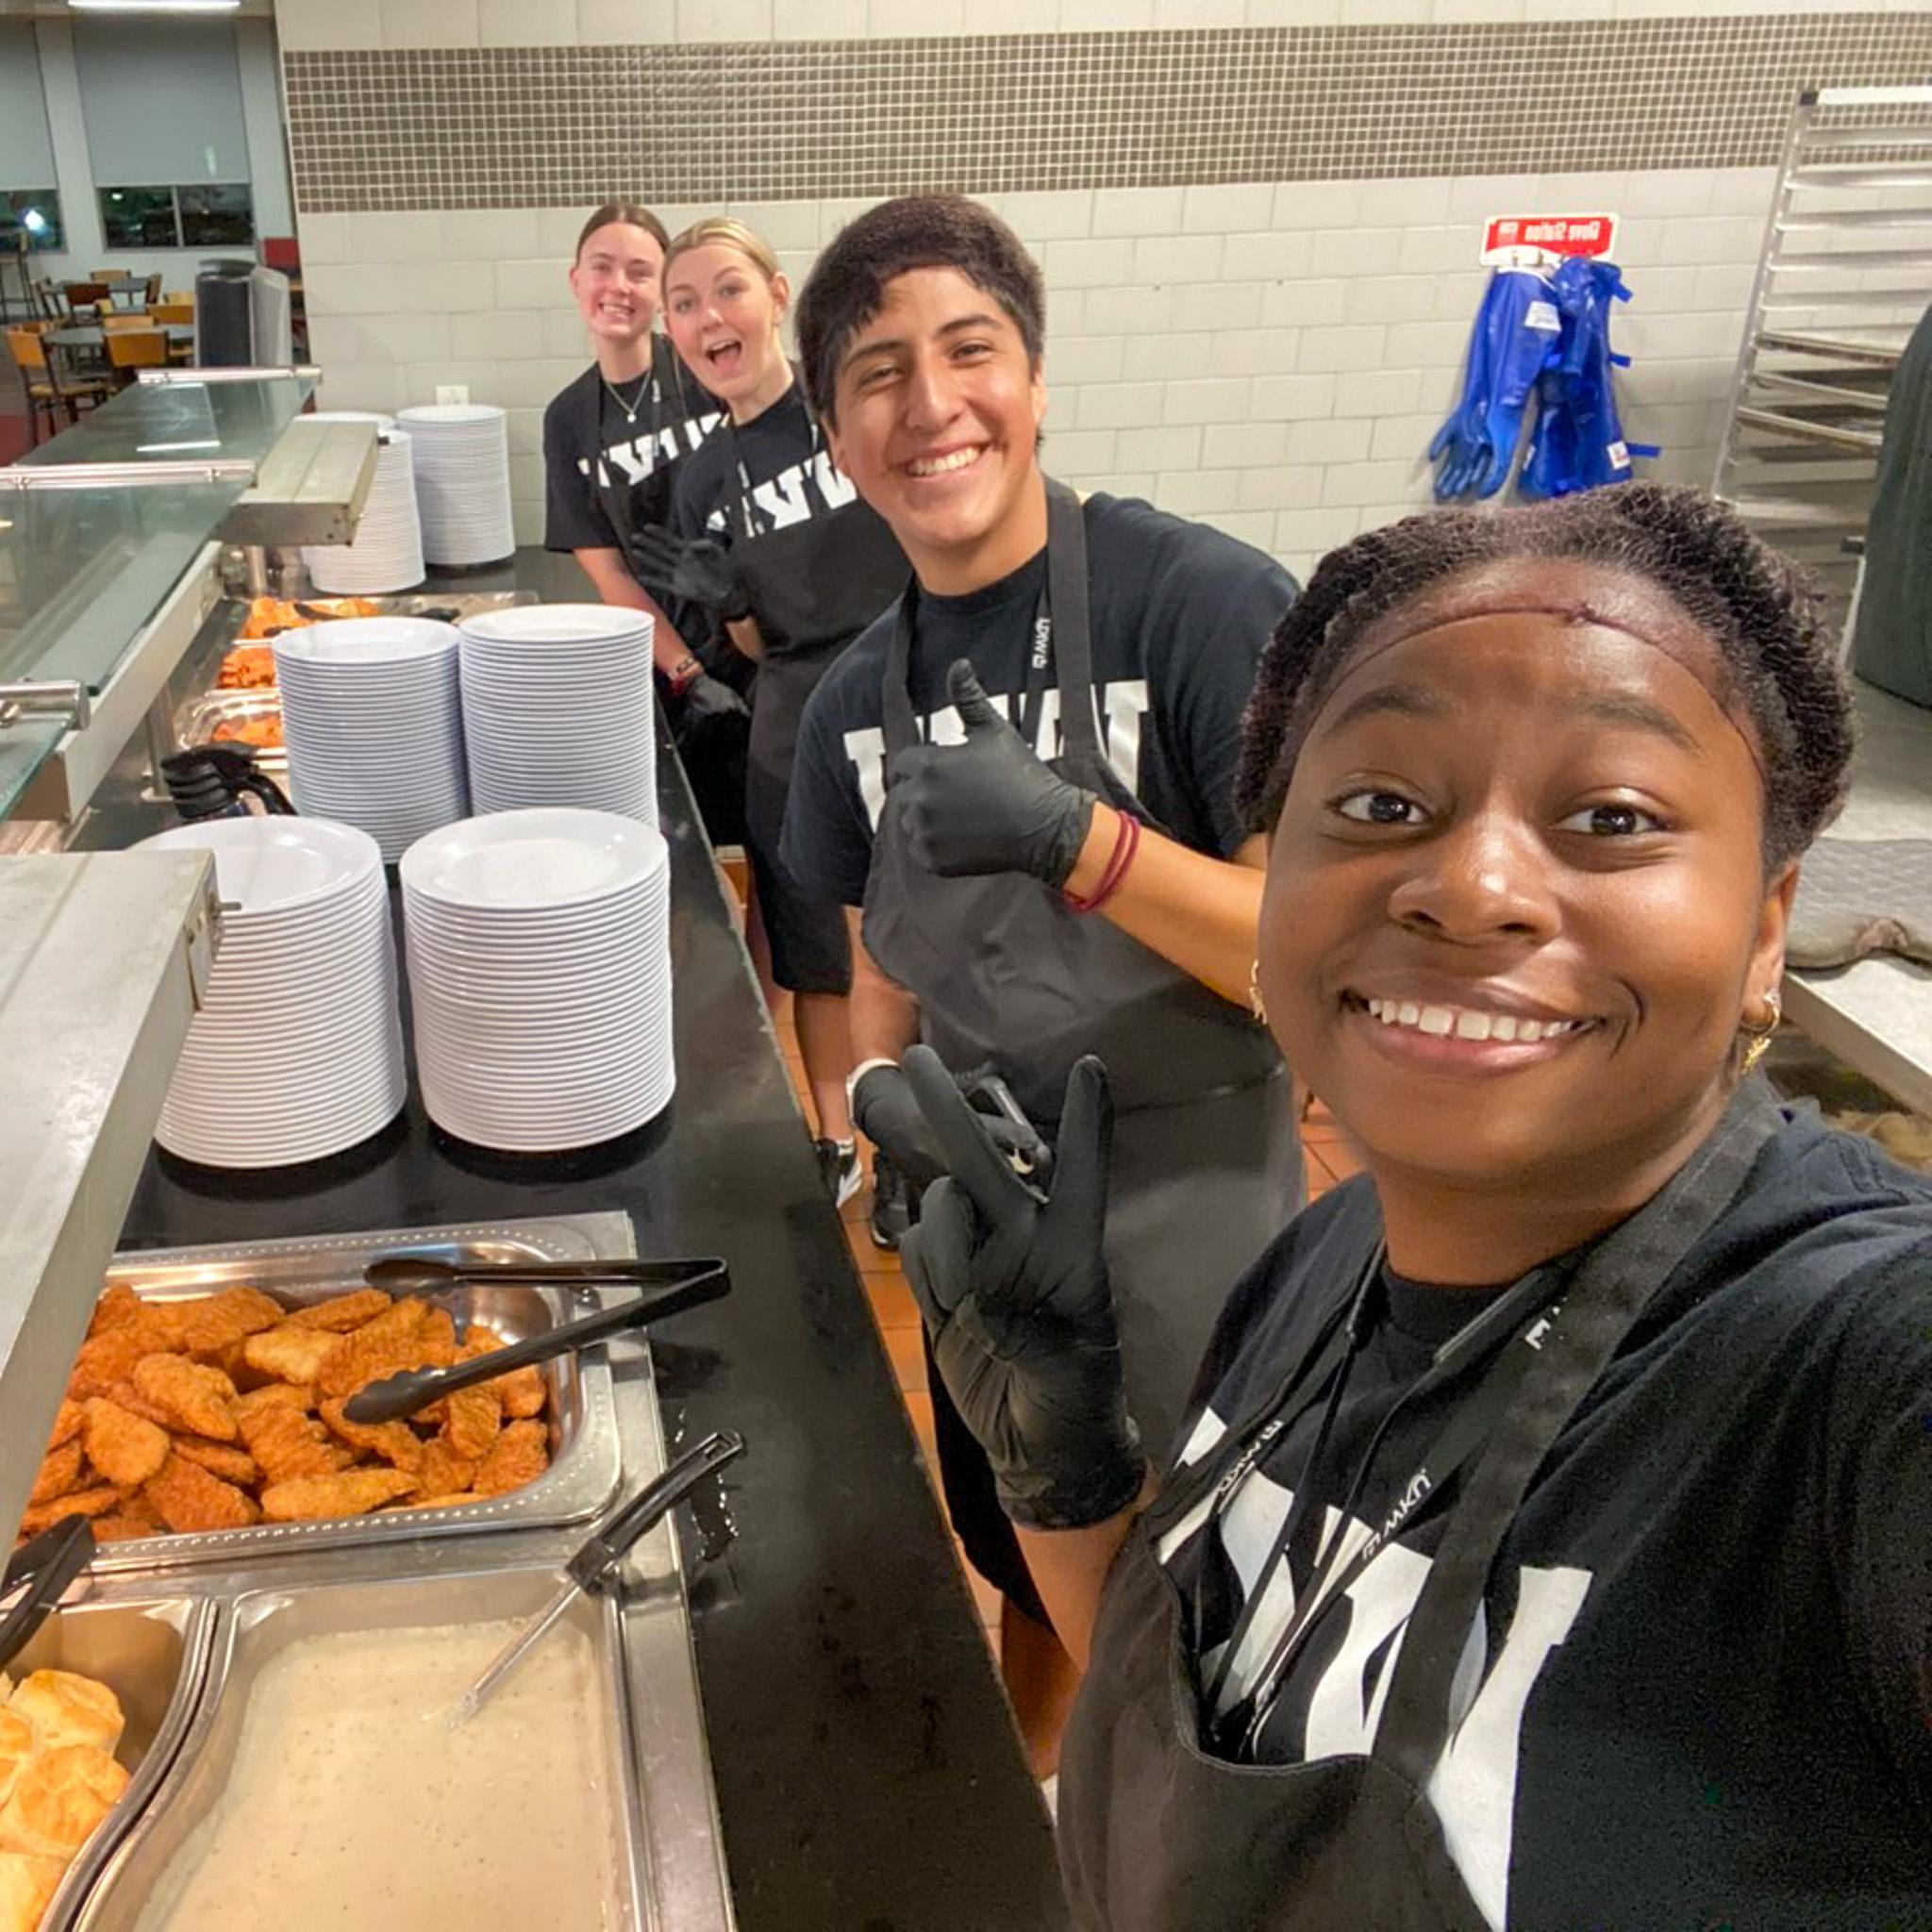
667,379
1612,1289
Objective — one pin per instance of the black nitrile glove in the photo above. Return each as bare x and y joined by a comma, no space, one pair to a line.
884,1110
1014,1288
989,804
702,571
707,701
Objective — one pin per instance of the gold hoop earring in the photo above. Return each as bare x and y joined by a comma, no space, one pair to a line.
1256,1006
1758,1039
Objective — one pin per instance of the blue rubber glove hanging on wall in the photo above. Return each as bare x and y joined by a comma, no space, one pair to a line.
1578,443
1516,333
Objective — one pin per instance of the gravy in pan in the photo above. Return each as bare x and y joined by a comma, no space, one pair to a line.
351,1802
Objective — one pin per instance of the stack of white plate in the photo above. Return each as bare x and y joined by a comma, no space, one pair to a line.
539,970
557,708
387,552
374,725
462,481
297,1050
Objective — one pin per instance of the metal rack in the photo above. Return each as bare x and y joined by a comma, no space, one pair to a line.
1844,275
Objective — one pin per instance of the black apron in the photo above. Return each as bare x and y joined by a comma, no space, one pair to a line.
617,495
813,586
1207,1164
1155,1835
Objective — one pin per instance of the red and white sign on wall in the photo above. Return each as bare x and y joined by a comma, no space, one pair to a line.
1509,239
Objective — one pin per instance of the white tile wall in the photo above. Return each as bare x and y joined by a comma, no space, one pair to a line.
1288,405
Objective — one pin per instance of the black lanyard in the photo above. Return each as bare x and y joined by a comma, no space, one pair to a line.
1515,1326
745,486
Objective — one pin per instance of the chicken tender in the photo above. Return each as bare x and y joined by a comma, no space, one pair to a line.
59,1473
123,1529
451,1501
118,1304
190,1499
277,1396
396,1442
94,1502
378,1348
437,1341
125,1395
342,1312
352,1493
125,1449
110,1356
471,1418
521,1390
288,1353
68,1420
220,1459
214,1323
198,1398
442,1470
289,1443
519,1454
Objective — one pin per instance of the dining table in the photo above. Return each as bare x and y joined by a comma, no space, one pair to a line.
88,335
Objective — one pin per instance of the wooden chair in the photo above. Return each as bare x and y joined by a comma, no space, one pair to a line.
152,293
175,309
79,382
52,310
127,324
30,358
132,349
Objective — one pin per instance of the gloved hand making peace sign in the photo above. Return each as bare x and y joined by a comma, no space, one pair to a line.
1014,1288
989,804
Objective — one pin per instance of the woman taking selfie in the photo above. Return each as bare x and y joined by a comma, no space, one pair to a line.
612,444
1550,1544
770,546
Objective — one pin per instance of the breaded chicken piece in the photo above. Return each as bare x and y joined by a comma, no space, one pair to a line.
522,1392
68,1421
450,1502
437,1341
289,1443
119,1303
125,1395
396,1442
220,1459
519,1454
198,1398
125,1449
378,1348
94,1502
215,1322
277,1396
190,1499
136,1507
122,1529
471,1418
59,1472
442,1470
352,1493
110,1356
288,1353
342,1312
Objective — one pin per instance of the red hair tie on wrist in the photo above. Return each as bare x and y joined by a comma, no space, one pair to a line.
1127,842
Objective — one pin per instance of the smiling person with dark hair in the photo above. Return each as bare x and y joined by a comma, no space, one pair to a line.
1551,1542
1019,780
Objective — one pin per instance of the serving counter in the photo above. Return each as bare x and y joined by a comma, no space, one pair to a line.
866,1770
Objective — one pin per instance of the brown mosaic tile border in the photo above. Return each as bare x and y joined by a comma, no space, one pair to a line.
542,126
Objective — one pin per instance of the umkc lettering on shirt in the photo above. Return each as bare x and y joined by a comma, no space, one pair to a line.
782,501
1118,711
639,458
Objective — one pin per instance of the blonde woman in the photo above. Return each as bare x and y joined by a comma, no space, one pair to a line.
769,547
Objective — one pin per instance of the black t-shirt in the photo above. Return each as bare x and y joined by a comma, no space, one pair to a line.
1705,1695
589,446
1178,614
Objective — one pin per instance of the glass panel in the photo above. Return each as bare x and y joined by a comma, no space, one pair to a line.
24,749
213,217
36,212
181,421
139,218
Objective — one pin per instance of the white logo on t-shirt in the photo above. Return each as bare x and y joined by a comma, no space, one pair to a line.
641,455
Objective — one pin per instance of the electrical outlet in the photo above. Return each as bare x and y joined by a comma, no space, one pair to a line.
452,391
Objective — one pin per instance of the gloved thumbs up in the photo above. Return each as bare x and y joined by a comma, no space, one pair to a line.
989,804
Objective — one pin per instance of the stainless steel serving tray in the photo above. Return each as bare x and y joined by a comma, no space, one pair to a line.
152,1654
586,1456
257,1626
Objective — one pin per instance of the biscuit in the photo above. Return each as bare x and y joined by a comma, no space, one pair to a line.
66,1708
28,1884
58,1799
17,1745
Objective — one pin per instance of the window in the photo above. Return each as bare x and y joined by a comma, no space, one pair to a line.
211,215
37,211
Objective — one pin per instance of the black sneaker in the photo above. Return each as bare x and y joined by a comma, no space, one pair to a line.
838,1166
893,1208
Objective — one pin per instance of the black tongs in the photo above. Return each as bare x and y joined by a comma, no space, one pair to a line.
678,1285
46,1566
597,1562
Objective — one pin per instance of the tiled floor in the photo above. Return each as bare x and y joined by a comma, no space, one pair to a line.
1329,1159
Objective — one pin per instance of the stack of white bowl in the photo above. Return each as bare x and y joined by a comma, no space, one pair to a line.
462,481
540,971
557,708
297,1050
373,723
387,551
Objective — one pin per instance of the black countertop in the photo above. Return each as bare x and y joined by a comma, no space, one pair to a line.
868,1775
